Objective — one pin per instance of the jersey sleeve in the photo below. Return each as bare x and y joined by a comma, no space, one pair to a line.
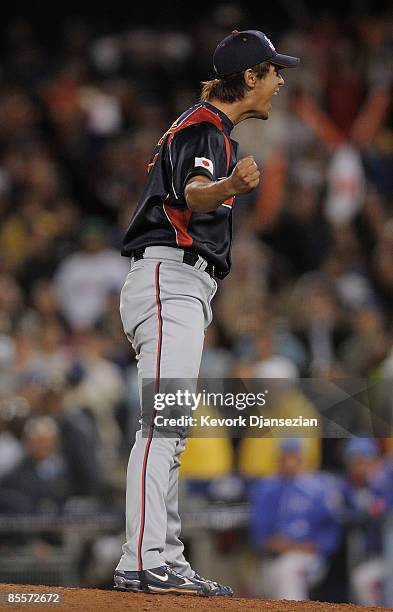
196,150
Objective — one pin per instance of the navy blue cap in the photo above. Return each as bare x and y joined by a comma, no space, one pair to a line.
242,50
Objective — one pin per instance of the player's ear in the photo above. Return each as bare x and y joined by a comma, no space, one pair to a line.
250,78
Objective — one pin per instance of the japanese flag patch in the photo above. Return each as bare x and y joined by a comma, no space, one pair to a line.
203,162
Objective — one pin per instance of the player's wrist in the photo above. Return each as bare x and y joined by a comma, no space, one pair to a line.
229,188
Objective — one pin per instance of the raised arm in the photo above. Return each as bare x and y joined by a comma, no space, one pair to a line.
204,195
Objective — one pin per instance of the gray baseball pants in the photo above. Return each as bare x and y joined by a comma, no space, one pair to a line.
165,309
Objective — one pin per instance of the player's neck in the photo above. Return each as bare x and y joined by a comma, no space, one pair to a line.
235,111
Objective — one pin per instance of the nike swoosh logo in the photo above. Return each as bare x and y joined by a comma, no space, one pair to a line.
162,578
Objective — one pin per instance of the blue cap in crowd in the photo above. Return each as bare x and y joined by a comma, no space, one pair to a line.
361,447
290,445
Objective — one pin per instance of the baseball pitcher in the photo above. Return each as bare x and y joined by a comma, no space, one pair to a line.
179,242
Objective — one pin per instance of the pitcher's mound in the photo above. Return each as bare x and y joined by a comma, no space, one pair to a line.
96,600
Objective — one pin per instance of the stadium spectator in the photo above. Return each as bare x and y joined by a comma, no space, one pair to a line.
41,481
295,526
91,274
78,440
99,390
366,509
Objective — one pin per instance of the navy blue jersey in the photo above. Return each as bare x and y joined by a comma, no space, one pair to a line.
198,143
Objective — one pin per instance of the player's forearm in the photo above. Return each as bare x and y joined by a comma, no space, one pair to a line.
207,196
204,195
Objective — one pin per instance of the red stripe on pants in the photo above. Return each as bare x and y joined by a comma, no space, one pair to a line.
148,442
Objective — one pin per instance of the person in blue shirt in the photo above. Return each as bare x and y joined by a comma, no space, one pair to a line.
383,480
366,504
295,526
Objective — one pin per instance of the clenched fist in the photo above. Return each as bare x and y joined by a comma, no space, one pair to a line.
245,175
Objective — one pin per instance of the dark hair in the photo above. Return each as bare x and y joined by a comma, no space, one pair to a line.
233,87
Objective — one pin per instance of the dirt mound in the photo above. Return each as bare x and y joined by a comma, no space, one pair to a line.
113,601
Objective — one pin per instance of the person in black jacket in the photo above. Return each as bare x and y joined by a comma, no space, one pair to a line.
41,482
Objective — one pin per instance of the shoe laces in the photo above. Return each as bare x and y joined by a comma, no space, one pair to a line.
172,571
208,580
212,583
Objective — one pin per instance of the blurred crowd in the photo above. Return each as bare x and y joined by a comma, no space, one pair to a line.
310,293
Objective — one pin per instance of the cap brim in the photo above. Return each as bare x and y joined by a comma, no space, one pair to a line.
285,61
